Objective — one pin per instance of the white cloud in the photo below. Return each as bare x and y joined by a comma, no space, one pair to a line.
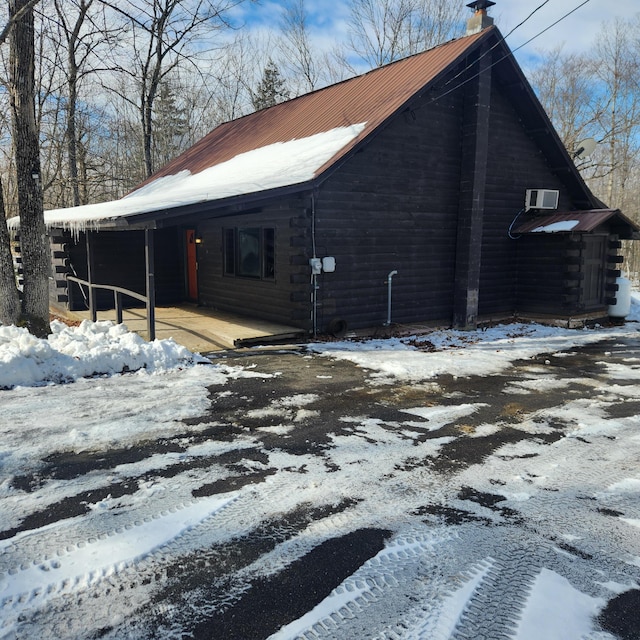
577,33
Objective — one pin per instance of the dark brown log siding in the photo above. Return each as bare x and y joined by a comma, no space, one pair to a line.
59,242
285,299
555,272
393,206
515,164
542,273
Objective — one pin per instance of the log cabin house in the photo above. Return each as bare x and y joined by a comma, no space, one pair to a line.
431,190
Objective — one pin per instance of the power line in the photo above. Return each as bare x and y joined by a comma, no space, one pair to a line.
524,44
498,43
527,18
566,15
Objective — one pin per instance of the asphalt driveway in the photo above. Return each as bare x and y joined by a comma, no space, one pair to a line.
354,509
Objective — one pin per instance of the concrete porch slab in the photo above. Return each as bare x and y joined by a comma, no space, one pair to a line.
200,329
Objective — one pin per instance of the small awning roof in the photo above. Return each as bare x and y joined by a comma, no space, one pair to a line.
579,222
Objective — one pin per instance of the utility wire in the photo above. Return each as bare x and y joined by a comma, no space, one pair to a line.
527,18
498,43
486,53
524,44
566,15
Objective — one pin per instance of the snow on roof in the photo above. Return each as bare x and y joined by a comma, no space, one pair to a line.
555,227
579,221
276,165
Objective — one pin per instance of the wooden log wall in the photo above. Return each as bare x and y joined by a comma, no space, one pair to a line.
286,298
118,259
59,243
393,206
559,274
515,163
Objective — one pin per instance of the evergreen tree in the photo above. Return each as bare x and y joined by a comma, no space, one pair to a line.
171,123
272,88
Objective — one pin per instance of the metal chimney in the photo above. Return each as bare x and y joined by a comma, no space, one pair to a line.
480,19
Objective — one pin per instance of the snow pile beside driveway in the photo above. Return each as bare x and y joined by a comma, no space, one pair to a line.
91,349
104,348
186,504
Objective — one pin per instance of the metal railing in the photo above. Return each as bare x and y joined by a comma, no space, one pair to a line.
118,292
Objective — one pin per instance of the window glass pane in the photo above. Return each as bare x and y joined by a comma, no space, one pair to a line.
229,251
268,242
249,253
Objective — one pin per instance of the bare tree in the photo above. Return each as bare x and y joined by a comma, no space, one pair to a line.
83,31
598,95
162,33
564,84
381,31
15,16
234,75
9,298
618,71
303,62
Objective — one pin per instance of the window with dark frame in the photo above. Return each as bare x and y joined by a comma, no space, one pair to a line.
249,252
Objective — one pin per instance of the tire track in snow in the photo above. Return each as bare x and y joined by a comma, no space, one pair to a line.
493,610
377,592
87,562
116,586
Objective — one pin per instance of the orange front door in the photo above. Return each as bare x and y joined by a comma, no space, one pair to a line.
192,265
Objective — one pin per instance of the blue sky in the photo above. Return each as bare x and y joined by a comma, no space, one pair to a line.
578,32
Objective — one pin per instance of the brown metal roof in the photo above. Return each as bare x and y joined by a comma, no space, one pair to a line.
585,222
371,98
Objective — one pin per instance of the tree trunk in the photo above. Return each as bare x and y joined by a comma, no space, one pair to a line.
34,244
9,299
72,145
73,38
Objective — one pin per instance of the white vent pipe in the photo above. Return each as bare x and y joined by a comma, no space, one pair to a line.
389,285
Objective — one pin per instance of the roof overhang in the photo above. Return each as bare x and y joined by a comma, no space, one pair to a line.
580,222
201,211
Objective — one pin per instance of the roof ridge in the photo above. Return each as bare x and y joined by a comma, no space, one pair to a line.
367,99
374,70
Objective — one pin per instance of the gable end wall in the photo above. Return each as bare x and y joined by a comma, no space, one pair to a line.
515,163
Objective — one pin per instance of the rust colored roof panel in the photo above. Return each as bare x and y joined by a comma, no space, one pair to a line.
574,221
370,98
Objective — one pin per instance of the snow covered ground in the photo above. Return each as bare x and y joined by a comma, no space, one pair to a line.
120,465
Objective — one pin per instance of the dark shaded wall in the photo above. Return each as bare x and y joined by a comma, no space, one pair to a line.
393,206
515,164
119,260
567,274
286,298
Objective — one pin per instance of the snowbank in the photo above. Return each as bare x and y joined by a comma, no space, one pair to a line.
104,348
91,349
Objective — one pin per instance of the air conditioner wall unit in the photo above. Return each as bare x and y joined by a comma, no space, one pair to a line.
541,199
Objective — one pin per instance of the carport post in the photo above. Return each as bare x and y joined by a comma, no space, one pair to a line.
93,311
149,259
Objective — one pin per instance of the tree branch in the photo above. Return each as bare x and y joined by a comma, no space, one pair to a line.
4,34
